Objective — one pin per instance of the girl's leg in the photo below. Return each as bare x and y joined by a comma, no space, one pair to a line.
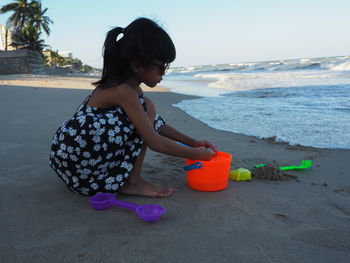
135,184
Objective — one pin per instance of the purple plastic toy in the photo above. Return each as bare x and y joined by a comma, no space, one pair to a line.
148,213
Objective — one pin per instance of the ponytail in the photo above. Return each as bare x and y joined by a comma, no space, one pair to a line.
110,45
111,55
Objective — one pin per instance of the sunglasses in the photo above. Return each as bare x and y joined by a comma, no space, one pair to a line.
161,67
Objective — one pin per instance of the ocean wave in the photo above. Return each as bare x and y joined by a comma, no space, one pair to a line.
329,63
341,67
254,81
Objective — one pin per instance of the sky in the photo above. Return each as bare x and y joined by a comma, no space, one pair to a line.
207,32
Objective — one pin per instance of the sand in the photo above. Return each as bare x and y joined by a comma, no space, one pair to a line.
257,221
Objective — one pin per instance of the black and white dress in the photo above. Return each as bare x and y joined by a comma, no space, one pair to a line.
97,148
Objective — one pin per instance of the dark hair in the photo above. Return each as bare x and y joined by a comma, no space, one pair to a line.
143,41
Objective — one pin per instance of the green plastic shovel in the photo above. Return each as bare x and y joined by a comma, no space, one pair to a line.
304,164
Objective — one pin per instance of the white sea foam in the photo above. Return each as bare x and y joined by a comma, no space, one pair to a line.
341,67
263,80
276,65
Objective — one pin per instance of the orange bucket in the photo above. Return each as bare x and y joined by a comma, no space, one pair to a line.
209,175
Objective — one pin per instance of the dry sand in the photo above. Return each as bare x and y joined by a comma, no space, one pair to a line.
257,221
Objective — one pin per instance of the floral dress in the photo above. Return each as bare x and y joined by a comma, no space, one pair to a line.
97,148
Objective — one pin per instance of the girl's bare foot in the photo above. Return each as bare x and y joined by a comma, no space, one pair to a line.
143,188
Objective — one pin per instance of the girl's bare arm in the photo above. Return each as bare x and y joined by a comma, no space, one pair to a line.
127,98
175,135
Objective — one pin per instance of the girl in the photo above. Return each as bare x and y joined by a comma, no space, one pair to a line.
102,147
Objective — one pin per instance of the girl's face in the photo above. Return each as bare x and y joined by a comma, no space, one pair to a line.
152,74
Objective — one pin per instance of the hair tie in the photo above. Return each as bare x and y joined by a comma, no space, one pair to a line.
120,35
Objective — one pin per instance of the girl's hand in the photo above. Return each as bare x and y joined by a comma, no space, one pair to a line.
204,154
205,144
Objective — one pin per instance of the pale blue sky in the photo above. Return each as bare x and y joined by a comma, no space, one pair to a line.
208,32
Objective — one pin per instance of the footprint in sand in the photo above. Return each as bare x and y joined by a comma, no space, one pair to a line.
91,257
328,238
342,190
177,162
5,146
155,170
343,207
21,121
3,171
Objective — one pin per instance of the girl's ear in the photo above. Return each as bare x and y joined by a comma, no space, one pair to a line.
136,66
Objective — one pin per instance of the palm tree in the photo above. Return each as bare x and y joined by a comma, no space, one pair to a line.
22,12
28,21
6,37
28,38
41,21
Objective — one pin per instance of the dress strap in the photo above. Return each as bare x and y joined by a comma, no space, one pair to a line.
86,99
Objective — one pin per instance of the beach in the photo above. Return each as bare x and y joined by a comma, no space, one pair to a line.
258,221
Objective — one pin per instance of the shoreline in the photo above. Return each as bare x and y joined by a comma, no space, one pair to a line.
305,221
82,82
85,82
65,81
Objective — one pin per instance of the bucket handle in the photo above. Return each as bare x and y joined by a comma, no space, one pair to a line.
190,167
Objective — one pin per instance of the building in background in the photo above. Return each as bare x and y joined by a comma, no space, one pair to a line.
65,54
3,38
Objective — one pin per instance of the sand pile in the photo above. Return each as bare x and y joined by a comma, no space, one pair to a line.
272,172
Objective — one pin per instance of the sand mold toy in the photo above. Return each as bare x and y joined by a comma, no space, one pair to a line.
148,213
240,174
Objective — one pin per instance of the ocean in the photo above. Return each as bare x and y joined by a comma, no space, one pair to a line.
298,101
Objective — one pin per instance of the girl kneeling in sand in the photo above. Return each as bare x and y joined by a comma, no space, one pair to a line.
102,147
